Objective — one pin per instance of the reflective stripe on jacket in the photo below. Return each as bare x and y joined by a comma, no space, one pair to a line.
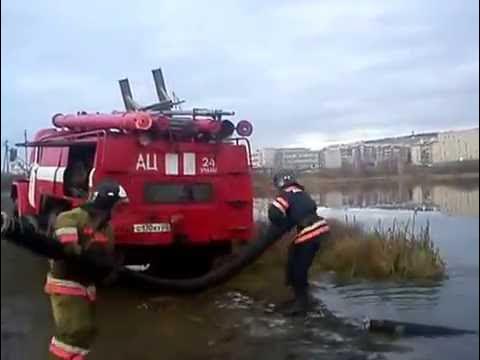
318,228
67,352
281,204
67,234
67,287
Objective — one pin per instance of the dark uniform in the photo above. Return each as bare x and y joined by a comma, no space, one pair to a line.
72,287
294,208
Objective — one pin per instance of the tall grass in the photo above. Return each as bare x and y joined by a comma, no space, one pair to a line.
353,251
399,251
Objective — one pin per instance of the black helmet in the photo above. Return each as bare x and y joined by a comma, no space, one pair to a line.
107,194
284,178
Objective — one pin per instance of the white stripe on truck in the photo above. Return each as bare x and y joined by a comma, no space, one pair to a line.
171,164
50,173
189,164
43,173
31,185
90,178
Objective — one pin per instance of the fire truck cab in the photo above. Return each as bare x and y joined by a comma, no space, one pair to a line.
186,175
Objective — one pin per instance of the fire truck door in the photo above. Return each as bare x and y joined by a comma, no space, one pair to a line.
46,177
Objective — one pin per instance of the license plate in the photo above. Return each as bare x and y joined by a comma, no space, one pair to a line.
151,228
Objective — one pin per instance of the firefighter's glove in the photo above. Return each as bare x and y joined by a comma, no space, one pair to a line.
98,258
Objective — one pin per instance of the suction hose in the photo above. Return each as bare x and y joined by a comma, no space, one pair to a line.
266,238
22,232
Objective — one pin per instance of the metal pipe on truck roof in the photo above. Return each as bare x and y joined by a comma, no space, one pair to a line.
126,94
124,121
199,112
160,85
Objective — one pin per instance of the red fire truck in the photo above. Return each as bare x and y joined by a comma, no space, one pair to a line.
187,175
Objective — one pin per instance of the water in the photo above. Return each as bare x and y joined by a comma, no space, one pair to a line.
226,324
453,302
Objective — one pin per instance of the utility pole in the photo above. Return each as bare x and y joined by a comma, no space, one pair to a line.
26,150
6,158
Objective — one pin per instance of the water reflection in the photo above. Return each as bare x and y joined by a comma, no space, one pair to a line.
460,200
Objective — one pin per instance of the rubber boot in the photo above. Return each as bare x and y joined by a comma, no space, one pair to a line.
300,306
312,300
282,306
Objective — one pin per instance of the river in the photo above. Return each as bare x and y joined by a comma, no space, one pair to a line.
229,324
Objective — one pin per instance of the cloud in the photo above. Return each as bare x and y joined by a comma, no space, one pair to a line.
304,72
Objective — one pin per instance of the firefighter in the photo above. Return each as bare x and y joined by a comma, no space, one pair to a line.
71,287
294,208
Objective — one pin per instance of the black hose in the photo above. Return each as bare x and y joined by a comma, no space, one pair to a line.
217,276
405,329
22,233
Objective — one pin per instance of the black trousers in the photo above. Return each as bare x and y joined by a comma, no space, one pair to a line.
300,259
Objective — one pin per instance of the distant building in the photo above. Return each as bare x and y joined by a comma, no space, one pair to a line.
405,140
268,157
346,155
389,153
365,154
256,159
393,152
264,158
458,145
297,159
422,154
332,158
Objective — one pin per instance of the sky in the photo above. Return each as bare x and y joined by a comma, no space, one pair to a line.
305,73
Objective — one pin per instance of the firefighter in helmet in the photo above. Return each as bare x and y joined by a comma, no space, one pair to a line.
83,230
294,208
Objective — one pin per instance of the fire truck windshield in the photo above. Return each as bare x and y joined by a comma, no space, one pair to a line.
164,193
